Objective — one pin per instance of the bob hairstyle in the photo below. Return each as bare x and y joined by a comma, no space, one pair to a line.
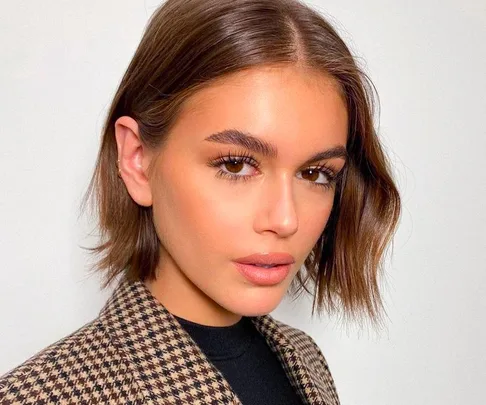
186,45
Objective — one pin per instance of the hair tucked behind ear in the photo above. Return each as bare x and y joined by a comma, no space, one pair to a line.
188,44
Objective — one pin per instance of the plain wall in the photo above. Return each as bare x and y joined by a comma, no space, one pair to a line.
61,62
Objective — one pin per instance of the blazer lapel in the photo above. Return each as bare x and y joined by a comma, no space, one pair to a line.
290,351
169,366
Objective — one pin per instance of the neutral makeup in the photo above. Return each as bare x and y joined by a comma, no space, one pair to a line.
249,168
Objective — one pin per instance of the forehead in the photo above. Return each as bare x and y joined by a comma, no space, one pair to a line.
285,105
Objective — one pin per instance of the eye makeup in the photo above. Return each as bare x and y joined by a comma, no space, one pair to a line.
243,157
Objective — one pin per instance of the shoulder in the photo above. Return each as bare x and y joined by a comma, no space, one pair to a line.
54,353
75,366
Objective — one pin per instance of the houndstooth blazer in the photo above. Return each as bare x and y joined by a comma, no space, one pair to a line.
136,352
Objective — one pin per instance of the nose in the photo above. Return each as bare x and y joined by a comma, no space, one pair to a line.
276,209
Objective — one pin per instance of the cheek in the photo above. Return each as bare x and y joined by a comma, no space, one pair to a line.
218,218
196,213
314,218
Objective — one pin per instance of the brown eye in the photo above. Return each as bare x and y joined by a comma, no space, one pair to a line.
234,166
314,174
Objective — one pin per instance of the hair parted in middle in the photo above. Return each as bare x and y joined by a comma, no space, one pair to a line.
186,46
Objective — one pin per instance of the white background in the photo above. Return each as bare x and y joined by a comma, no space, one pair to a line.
60,65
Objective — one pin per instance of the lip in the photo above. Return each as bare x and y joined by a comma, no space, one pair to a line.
250,267
262,276
275,258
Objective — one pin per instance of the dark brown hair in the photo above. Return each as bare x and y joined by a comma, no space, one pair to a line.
186,45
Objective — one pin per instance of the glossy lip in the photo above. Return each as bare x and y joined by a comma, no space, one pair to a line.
264,276
272,258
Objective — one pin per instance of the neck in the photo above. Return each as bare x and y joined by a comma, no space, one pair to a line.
183,299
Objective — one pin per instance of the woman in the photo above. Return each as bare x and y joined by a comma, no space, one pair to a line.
238,161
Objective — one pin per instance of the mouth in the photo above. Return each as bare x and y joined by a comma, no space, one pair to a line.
267,260
265,266
265,269
264,275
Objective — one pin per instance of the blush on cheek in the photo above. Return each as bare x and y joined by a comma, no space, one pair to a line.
316,223
218,223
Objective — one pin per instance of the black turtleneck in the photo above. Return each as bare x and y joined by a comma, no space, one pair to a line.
246,361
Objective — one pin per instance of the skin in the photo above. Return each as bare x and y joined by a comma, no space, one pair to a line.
204,222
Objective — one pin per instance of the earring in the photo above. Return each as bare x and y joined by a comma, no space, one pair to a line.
118,165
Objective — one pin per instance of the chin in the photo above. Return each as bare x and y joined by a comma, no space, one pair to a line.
255,304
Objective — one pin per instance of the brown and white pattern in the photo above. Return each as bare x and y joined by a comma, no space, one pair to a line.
136,352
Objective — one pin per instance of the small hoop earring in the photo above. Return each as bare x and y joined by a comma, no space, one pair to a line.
118,165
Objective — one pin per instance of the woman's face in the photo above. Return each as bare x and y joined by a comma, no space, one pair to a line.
215,202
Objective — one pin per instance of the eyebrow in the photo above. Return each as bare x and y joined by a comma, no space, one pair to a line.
257,145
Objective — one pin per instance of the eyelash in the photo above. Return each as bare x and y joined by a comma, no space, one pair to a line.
244,157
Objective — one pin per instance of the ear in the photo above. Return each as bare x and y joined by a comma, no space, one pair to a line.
134,160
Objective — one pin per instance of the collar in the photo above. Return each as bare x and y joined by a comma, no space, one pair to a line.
168,365
221,342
